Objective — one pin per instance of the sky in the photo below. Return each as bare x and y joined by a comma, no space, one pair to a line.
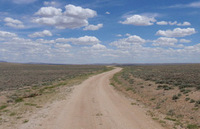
100,31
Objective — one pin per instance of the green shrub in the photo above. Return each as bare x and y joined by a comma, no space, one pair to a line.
130,88
191,126
185,91
3,107
192,101
159,87
131,81
12,114
152,99
171,119
165,87
186,99
179,95
175,97
160,82
25,121
197,103
171,112
17,100
30,104
112,84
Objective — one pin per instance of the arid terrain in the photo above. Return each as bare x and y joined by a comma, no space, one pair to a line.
170,91
99,97
99,64
15,76
26,88
93,104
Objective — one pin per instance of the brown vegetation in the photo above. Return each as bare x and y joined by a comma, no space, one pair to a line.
172,90
26,88
182,76
14,76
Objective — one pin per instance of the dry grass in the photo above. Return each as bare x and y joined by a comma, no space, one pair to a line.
182,76
18,104
179,106
15,76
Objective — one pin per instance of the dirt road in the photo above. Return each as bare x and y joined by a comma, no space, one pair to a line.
94,104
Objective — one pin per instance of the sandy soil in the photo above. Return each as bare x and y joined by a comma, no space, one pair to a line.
94,104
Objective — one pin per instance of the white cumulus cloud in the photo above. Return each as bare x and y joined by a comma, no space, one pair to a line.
41,34
13,22
72,17
135,39
177,32
93,27
49,12
184,24
98,47
162,23
5,34
165,42
43,41
79,12
139,20
125,43
173,23
127,34
131,49
63,45
51,3
119,35
184,41
86,40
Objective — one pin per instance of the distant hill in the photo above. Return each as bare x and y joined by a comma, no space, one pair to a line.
2,61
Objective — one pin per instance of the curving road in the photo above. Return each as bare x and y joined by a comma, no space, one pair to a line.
95,104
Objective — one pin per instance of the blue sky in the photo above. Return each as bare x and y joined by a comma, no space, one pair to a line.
100,31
